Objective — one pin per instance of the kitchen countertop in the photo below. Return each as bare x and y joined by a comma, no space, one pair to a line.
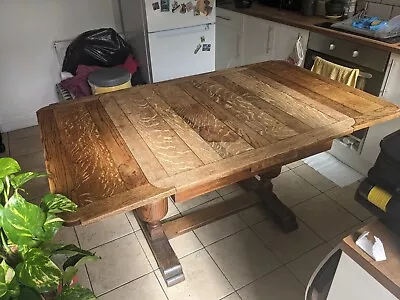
297,20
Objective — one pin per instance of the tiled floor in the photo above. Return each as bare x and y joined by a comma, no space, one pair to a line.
243,256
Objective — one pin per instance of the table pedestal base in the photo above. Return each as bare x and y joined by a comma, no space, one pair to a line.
149,218
262,186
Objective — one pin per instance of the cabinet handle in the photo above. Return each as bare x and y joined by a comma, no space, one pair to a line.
387,78
269,34
223,18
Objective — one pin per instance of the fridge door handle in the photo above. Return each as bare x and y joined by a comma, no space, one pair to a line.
181,31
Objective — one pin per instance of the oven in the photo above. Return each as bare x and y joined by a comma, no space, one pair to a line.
372,64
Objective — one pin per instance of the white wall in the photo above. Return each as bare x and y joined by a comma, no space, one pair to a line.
28,63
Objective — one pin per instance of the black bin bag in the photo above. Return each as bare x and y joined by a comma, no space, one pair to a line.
102,47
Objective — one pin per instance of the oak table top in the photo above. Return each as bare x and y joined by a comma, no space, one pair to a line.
120,151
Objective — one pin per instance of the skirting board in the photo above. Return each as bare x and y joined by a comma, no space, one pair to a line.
18,123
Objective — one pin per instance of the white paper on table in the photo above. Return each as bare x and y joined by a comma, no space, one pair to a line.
374,248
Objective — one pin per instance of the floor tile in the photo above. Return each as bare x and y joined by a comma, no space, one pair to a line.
354,230
304,266
33,163
25,132
147,251
295,164
316,179
186,205
83,277
228,189
217,230
132,220
66,235
254,214
240,193
233,296
292,189
324,216
103,231
36,188
4,136
286,246
284,169
279,284
203,279
345,197
122,261
143,288
243,258
25,146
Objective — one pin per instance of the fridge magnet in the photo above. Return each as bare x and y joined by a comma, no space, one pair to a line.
202,39
156,5
164,5
175,6
197,49
189,6
206,47
203,7
183,8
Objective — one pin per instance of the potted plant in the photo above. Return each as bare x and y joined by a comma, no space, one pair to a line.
27,255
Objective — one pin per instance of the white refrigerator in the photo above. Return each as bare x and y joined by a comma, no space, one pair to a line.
170,39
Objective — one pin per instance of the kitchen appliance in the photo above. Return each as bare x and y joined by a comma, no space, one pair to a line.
283,4
356,56
308,7
170,39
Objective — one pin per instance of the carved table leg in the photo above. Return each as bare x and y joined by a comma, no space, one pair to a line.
149,217
263,187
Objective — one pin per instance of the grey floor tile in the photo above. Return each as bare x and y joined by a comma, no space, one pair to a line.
143,288
287,246
122,261
295,164
291,189
25,146
228,189
254,214
345,197
203,279
66,235
36,188
324,216
304,266
132,220
217,230
33,163
233,296
103,231
33,131
279,285
243,258
186,205
316,179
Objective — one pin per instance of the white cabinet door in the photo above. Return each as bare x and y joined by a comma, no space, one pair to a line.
258,38
228,39
391,92
227,47
285,39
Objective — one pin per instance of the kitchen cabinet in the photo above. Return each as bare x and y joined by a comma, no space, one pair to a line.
229,39
286,38
258,36
390,91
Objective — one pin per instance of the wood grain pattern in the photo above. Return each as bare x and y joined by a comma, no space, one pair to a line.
120,151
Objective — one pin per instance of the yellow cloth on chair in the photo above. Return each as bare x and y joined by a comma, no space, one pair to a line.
336,72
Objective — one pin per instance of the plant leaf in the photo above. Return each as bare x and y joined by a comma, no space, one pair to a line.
69,273
8,166
12,286
19,180
38,271
50,227
79,259
76,292
28,294
56,203
23,221
64,249
1,186
3,284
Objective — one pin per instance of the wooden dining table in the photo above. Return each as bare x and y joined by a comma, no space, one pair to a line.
133,149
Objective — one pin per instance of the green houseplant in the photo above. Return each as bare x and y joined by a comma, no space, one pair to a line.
27,255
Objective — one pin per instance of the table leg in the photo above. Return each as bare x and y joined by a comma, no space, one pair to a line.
263,187
2,147
149,217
